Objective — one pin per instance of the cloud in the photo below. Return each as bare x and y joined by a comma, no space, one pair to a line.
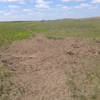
10,0
3,0
27,10
46,9
64,7
86,5
13,6
72,0
41,4
7,13
95,1
1,11
13,0
11,12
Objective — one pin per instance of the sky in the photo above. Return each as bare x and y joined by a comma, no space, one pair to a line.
24,10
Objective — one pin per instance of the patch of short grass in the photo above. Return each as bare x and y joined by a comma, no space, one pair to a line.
84,81
10,32
4,83
6,39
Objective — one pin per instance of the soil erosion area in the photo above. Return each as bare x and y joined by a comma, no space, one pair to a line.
40,66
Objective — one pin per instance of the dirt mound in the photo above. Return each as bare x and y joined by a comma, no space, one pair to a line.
91,18
39,66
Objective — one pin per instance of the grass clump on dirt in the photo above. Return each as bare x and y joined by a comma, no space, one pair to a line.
84,84
5,86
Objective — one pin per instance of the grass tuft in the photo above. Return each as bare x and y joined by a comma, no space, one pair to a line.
4,83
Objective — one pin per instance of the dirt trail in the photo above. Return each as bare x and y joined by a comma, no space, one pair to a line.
39,66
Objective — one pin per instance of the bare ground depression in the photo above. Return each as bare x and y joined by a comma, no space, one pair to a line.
48,69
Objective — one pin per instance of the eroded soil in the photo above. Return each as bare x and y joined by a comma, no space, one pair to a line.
41,67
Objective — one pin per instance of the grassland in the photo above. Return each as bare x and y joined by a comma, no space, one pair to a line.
11,31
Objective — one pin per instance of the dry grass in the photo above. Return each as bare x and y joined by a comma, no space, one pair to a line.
5,85
84,82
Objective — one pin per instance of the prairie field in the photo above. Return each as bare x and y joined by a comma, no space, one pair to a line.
11,31
50,60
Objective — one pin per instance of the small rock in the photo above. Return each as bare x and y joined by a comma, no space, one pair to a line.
70,53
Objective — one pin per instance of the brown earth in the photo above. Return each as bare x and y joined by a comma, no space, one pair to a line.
40,66
91,18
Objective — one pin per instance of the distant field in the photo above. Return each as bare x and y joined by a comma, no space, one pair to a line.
11,31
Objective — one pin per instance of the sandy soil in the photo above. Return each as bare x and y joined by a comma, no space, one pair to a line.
39,66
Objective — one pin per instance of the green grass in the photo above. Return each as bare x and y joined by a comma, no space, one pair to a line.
69,28
11,31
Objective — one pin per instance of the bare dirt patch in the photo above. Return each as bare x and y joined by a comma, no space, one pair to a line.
42,67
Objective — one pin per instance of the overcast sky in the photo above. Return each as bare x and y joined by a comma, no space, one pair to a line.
47,9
